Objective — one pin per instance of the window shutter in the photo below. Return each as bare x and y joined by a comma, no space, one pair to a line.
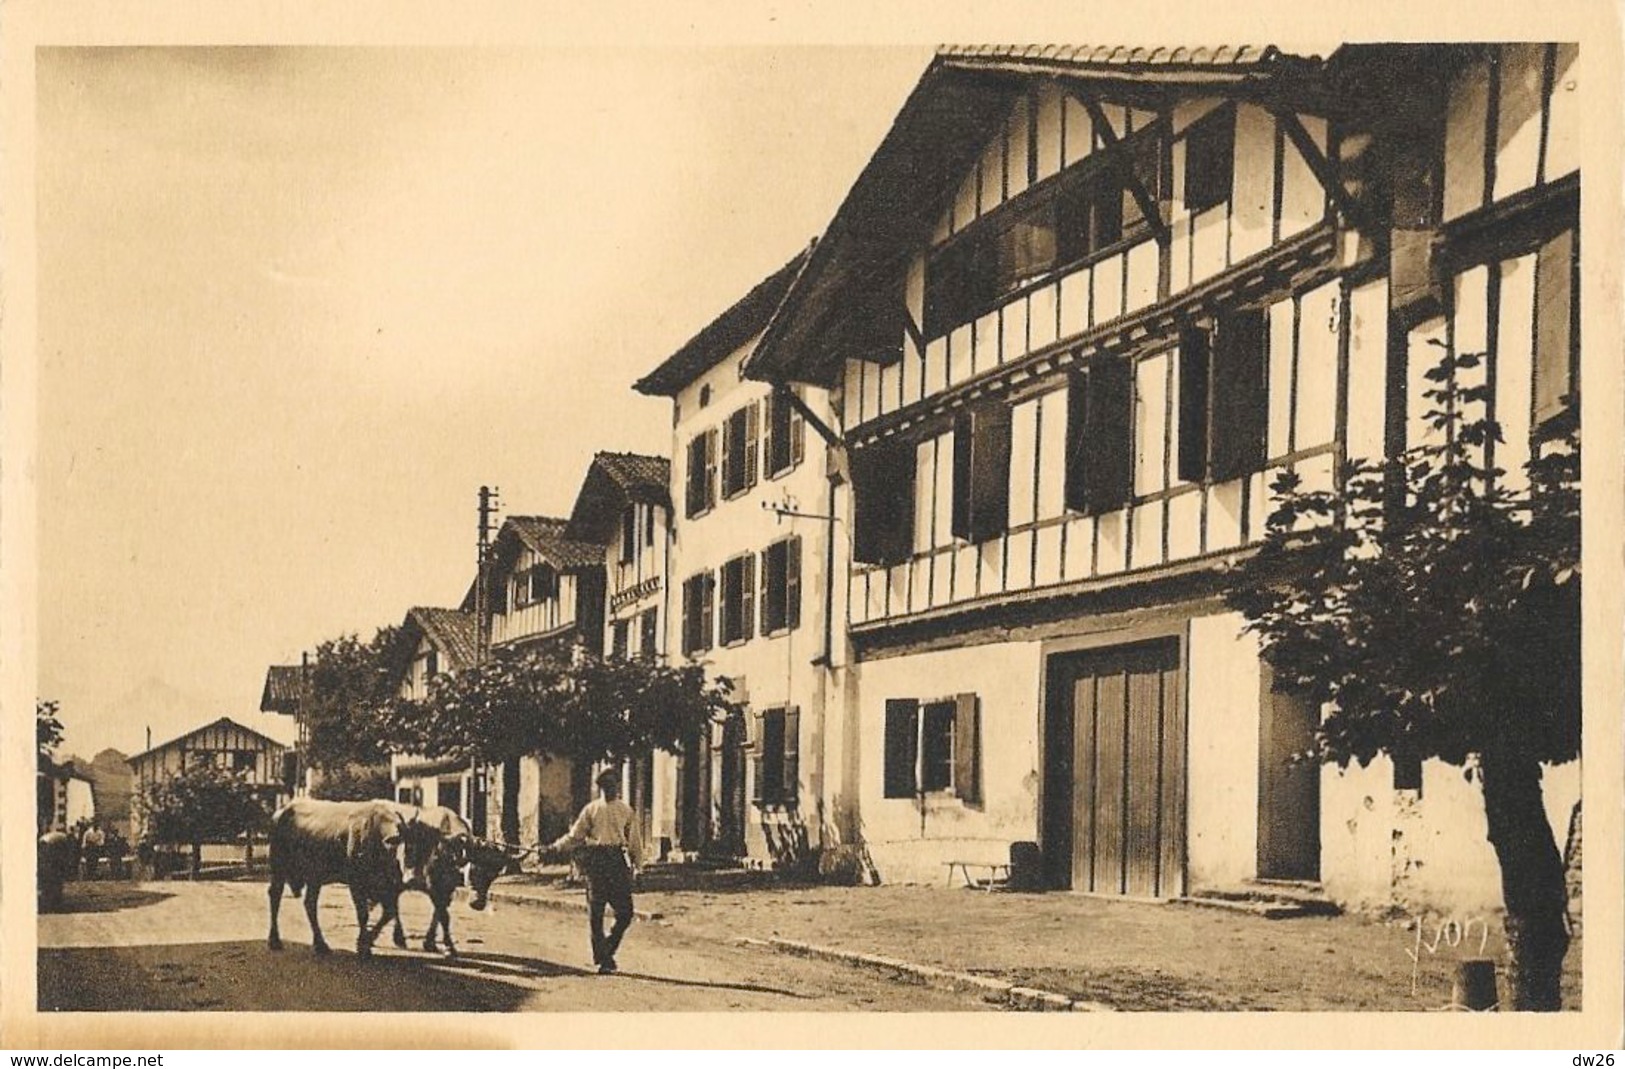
1240,402
756,727
708,585
1193,403
792,755
1553,326
747,596
753,421
1077,418
981,505
902,743
691,616
1102,461
883,499
629,533
792,583
709,492
797,433
967,749
730,468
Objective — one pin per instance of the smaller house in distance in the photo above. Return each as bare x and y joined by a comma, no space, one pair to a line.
224,744
433,641
65,794
284,684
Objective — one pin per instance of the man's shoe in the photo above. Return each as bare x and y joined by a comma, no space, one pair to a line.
609,966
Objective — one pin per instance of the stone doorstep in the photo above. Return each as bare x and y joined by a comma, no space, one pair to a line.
993,990
574,904
1271,899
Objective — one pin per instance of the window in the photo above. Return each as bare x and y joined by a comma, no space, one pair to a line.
933,747
619,636
449,793
244,760
784,434
705,395
1083,212
781,586
778,761
649,633
535,584
739,439
431,665
1210,160
1556,317
738,598
883,502
629,534
697,608
1099,436
981,500
702,472
1223,397
649,524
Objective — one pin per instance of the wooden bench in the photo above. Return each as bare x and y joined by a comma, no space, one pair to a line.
994,870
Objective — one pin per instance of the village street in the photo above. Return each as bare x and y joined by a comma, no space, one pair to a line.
201,946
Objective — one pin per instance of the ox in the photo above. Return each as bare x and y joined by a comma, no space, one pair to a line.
371,847
458,857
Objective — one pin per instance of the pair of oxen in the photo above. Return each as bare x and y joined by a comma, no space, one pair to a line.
379,849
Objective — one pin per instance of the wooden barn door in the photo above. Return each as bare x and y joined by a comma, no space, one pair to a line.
1115,771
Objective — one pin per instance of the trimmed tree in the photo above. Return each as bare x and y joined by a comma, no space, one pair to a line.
202,804
1434,611
585,710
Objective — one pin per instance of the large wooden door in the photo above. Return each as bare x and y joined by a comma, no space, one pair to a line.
1114,795
731,793
1288,787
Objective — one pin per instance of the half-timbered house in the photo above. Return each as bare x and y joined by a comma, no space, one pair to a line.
1077,313
433,641
748,565
224,744
546,594
624,506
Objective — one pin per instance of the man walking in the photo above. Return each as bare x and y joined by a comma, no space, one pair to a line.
610,852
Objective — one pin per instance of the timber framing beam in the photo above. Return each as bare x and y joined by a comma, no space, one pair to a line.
1325,173
781,390
1150,207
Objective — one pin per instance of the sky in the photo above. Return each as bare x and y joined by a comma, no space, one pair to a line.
297,305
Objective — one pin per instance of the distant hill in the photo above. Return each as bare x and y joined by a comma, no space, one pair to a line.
112,784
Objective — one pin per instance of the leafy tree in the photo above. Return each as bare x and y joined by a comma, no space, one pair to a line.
202,804
349,685
353,783
47,737
587,709
47,726
1434,610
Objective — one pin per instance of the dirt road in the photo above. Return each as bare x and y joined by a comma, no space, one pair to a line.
201,946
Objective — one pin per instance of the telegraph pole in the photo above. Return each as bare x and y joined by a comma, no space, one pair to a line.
489,503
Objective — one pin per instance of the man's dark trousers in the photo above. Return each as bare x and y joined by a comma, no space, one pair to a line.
609,883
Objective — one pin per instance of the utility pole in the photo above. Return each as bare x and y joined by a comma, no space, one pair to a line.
489,503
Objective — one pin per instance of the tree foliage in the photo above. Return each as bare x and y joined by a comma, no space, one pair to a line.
588,709
353,783
1433,605
349,685
202,804
47,726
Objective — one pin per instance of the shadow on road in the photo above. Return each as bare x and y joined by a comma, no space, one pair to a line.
513,965
246,975
760,989
83,897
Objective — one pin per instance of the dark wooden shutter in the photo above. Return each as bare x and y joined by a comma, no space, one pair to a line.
981,503
1100,444
757,728
967,749
697,461
629,533
797,434
792,583
730,462
902,743
1194,365
747,596
1240,400
753,432
1553,326
883,499
710,490
792,755
708,588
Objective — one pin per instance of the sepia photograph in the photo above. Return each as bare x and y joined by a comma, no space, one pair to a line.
959,528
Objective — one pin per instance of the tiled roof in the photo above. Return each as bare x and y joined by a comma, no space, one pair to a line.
727,332
545,535
613,480
635,471
281,693
224,721
453,632
1123,55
